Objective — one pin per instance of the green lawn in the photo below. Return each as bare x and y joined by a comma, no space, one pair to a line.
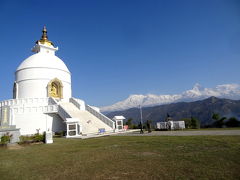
210,129
122,157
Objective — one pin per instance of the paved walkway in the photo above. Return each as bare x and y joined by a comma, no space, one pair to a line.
182,133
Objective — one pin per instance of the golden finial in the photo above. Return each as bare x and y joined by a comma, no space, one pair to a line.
44,39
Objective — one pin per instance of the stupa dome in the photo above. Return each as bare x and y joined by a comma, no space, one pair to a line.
42,74
43,60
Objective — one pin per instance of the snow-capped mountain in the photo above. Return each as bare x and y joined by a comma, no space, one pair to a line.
229,91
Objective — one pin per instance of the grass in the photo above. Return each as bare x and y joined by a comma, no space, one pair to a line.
125,157
210,129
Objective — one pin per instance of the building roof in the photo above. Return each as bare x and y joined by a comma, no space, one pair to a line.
119,118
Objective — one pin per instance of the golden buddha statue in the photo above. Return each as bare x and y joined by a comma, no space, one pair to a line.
54,91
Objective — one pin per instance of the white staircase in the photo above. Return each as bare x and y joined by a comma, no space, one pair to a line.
90,123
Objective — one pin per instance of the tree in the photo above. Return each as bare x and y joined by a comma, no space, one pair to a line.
219,121
232,122
130,124
195,124
215,116
187,122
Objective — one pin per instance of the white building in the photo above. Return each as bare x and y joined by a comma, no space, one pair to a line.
42,98
119,122
171,125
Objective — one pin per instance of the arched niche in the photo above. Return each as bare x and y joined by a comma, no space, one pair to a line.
55,88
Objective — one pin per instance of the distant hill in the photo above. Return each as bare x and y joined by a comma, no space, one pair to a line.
202,110
228,91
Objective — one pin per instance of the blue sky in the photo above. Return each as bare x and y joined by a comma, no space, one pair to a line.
115,48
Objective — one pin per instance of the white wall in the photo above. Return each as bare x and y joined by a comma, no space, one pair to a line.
32,82
30,122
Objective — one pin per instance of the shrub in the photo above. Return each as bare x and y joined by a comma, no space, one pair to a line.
5,139
26,139
232,122
39,137
31,139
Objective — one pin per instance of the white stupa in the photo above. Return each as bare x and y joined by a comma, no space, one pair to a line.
37,73
42,98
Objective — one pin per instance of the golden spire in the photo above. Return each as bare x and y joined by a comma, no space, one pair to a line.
44,39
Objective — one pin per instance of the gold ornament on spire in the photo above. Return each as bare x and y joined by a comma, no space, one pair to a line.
44,39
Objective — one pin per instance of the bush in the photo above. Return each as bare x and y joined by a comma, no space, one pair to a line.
31,139
5,139
232,122
39,137
191,123
26,138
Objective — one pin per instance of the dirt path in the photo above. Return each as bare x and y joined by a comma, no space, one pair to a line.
183,133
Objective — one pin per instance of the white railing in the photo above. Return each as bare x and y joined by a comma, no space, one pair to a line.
78,103
51,109
32,105
75,102
62,113
25,101
100,116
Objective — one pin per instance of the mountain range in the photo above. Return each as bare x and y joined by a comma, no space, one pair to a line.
201,109
228,91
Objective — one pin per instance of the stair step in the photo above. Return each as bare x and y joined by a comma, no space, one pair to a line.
90,123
